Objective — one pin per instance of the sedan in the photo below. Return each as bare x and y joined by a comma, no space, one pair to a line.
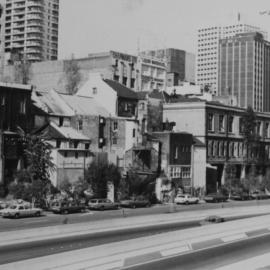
134,203
216,197
186,199
240,196
21,210
259,195
102,204
67,207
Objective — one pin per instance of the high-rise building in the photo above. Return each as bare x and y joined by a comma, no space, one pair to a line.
180,65
208,49
30,27
244,68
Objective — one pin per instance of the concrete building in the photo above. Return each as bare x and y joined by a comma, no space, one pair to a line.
138,74
220,129
180,65
208,51
244,68
31,28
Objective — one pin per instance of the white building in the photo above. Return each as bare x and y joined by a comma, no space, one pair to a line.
208,50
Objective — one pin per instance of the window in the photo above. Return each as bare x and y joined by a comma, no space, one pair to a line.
114,140
210,122
94,90
3,101
241,126
258,128
230,124
76,154
133,132
176,153
142,106
115,125
221,123
80,124
267,130
23,106
185,172
65,154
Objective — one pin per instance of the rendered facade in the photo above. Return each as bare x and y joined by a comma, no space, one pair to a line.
220,129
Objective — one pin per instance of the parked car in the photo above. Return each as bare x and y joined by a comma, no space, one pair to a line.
21,210
186,199
240,196
64,207
259,195
102,204
216,197
214,219
136,202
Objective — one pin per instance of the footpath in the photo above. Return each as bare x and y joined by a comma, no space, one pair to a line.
121,255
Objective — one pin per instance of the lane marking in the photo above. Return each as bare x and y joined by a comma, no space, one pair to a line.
174,251
234,237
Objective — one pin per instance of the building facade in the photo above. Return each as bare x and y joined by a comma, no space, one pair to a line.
208,51
244,66
180,65
15,111
31,28
220,129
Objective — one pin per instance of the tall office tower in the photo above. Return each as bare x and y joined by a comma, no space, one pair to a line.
244,68
31,27
207,51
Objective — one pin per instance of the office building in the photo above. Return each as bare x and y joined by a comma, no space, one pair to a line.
244,66
208,50
30,28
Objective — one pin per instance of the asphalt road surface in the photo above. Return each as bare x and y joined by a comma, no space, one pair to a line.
50,219
213,258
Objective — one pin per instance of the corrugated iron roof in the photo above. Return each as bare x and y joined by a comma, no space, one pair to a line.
121,90
84,105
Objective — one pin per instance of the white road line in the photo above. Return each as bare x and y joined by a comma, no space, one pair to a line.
173,251
35,221
234,237
254,263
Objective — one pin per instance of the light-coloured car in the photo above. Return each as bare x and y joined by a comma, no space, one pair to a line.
186,199
21,210
102,204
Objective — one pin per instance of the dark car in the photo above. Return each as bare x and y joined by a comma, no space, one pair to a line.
216,197
240,196
136,202
259,195
67,207
102,204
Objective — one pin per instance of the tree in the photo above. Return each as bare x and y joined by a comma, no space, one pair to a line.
99,175
34,179
72,75
155,117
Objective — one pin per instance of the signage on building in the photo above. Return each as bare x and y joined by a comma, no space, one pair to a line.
124,57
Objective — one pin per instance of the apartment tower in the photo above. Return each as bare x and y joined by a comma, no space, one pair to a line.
30,27
208,50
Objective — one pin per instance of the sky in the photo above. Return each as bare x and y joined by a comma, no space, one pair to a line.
90,26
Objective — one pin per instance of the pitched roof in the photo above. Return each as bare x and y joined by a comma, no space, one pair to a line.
162,95
121,90
52,131
84,105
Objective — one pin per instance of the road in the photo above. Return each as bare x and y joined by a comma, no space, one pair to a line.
24,251
51,219
217,257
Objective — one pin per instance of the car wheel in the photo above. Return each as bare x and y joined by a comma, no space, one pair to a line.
37,214
102,208
197,202
17,215
133,206
148,205
186,203
65,212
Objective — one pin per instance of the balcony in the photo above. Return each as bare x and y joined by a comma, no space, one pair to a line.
33,44
35,4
